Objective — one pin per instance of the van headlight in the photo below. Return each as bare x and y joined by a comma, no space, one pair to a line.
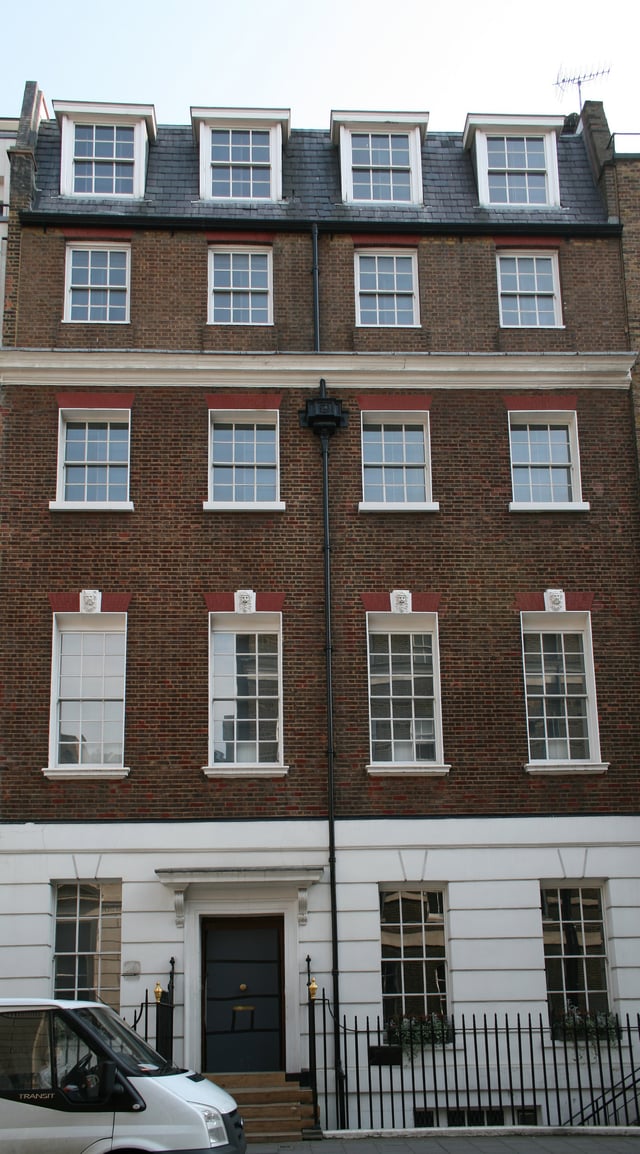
213,1120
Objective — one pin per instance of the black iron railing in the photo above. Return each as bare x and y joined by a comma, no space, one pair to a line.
480,1071
160,1006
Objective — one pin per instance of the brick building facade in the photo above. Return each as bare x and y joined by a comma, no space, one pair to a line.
361,668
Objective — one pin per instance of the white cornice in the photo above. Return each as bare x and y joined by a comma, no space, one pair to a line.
241,118
375,121
497,122
67,368
86,112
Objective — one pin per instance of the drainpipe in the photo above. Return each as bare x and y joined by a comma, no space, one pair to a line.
324,415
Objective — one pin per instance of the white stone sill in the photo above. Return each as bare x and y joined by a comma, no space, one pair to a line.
543,767
86,772
91,506
245,770
398,507
243,506
411,769
549,507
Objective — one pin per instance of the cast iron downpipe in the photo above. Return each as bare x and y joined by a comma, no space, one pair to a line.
324,415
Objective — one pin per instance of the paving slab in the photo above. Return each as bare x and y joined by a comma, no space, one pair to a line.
590,1140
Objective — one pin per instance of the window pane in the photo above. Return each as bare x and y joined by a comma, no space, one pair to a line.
401,701
541,463
96,461
386,293
246,687
395,462
244,462
87,941
575,952
412,943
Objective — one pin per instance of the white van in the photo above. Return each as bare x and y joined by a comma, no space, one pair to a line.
75,1078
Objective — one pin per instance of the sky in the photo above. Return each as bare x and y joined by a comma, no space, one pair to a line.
447,58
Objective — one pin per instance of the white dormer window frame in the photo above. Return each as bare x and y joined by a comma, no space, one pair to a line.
249,153
479,129
140,118
348,127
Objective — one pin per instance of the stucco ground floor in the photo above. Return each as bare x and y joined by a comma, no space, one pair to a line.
244,908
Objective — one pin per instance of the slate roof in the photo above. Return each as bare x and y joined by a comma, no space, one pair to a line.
311,190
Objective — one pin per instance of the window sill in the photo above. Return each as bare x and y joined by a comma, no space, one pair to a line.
542,767
69,321
204,199
371,203
398,506
240,324
110,196
248,770
549,506
91,506
86,772
361,325
411,769
545,328
500,206
244,506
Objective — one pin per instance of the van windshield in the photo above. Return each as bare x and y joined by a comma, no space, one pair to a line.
133,1051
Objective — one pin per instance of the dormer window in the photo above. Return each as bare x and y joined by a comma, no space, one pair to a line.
515,159
240,152
104,148
380,156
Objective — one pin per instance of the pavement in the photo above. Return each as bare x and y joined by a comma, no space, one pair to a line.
586,1140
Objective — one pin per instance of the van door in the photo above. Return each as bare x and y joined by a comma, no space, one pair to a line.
49,1086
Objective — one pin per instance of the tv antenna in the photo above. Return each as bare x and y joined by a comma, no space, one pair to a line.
564,80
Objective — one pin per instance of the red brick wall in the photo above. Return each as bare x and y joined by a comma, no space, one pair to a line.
168,553
457,282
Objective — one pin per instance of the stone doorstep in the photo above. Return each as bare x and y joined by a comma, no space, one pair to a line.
274,1109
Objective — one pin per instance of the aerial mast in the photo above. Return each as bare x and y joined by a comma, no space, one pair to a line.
564,80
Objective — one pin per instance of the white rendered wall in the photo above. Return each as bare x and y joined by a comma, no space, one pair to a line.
489,869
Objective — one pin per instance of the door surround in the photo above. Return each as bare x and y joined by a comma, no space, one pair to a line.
277,891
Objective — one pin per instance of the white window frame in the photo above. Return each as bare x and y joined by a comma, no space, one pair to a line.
344,125
535,255
574,1017
555,622
104,957
90,416
399,418
82,623
274,121
241,417
90,247
568,418
378,293
408,623
405,956
479,128
235,251
139,117
254,622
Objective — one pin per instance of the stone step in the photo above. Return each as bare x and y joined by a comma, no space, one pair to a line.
274,1108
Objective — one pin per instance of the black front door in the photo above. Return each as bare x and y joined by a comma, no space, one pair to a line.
243,1001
